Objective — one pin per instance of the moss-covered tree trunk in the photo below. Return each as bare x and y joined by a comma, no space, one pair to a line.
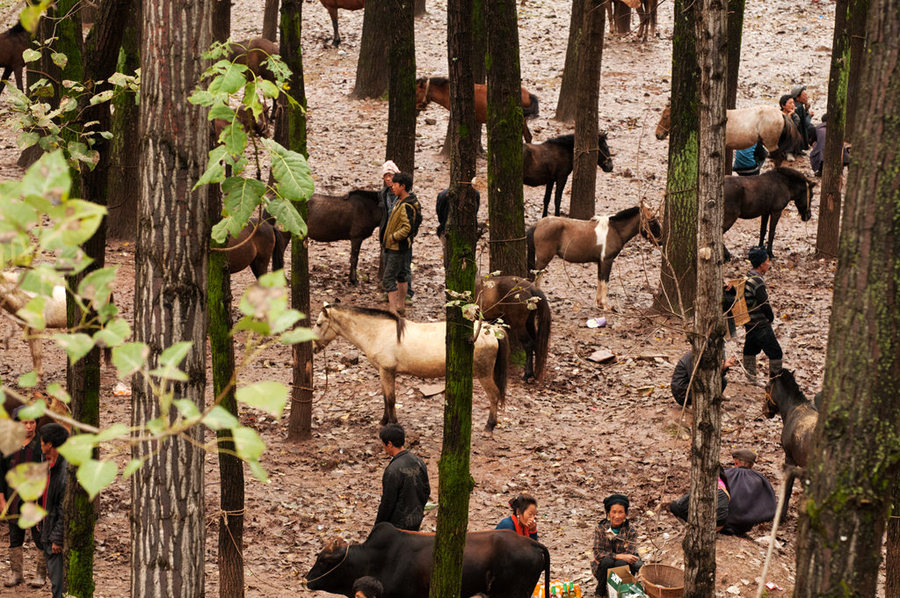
735,31
678,273
565,105
856,453
892,556
506,208
455,482
401,135
373,65
708,338
587,92
291,133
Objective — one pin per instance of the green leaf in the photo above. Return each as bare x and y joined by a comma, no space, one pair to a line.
29,479
132,467
234,137
242,196
251,324
221,230
187,408
258,471
48,177
27,139
33,313
30,514
59,59
291,171
268,395
247,443
269,89
34,411
76,345
129,358
174,355
30,55
96,287
215,169
56,391
113,432
222,112
28,380
231,81
79,449
76,222
103,96
94,476
287,216
284,320
297,335
169,372
12,434
113,334
219,418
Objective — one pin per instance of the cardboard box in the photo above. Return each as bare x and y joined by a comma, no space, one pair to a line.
620,583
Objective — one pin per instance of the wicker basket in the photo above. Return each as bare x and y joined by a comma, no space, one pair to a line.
662,581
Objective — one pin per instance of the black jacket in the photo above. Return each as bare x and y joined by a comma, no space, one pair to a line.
52,525
681,377
404,492
30,453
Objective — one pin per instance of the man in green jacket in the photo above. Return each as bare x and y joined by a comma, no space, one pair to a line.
397,238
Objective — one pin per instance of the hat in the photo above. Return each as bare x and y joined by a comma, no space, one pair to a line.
757,256
389,168
616,499
15,412
784,99
796,90
53,434
745,455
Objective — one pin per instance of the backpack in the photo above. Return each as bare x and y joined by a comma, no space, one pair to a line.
415,222
739,308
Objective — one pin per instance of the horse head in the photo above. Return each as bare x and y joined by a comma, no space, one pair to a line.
650,227
604,156
805,208
665,123
422,99
782,394
324,329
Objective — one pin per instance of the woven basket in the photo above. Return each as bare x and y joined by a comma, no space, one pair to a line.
662,581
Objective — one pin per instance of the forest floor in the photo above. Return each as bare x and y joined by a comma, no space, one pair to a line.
589,429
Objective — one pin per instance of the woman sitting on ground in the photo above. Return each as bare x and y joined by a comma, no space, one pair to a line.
615,541
523,520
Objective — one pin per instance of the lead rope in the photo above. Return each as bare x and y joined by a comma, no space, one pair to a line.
330,571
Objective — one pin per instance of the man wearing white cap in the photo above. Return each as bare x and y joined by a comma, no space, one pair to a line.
386,199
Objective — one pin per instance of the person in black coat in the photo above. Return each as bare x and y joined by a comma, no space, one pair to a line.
52,437
404,485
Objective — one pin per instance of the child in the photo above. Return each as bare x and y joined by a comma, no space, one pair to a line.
367,587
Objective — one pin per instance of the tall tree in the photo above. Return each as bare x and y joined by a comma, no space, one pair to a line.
856,450
401,136
892,550
735,31
678,273
373,65
455,482
708,337
587,92
270,19
506,205
565,105
291,133
857,17
167,512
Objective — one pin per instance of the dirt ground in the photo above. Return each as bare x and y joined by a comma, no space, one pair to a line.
590,429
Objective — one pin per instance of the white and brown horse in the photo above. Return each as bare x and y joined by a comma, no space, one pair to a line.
398,346
13,298
599,239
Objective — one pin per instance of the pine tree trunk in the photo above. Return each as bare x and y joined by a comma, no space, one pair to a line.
708,337
590,58
565,105
504,124
455,482
401,136
373,65
857,17
855,460
735,31
270,20
290,131
167,512
678,273
892,556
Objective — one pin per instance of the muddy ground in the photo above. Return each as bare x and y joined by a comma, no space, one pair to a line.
590,429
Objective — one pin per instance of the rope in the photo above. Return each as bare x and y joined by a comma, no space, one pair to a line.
330,571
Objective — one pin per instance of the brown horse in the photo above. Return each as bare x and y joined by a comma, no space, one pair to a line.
524,309
599,239
550,163
332,6
13,42
253,247
437,89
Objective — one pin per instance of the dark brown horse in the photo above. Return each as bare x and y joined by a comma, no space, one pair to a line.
550,163
799,416
253,247
13,42
599,239
437,89
766,195
332,6
524,309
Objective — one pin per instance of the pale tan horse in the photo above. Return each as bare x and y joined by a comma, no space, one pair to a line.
599,239
398,346
13,298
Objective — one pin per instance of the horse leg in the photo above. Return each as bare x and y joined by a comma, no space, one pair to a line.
388,388
547,193
493,393
772,225
34,346
355,244
527,340
604,267
526,132
560,187
763,223
336,41
788,490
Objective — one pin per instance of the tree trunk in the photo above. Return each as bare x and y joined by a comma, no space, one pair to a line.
565,106
455,482
892,558
270,20
857,16
401,136
855,459
291,133
735,30
708,337
590,58
678,273
373,65
506,206
167,512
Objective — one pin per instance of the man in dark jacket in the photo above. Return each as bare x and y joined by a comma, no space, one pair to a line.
684,371
404,485
52,437
804,115
759,333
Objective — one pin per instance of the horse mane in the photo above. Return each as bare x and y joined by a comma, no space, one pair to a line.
377,313
369,194
567,141
790,383
626,214
791,173
437,80
17,28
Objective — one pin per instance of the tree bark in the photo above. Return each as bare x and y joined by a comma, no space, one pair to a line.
590,58
565,106
290,131
892,558
857,17
735,30
373,65
678,273
401,136
270,20
167,513
506,205
708,337
855,460
455,482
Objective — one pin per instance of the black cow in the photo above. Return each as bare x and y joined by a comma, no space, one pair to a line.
499,563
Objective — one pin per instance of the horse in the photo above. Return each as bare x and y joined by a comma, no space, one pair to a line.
437,89
599,239
647,17
524,308
746,126
332,7
13,42
551,163
253,247
352,216
398,346
799,416
766,195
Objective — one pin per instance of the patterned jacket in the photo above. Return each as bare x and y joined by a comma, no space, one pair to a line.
608,544
757,300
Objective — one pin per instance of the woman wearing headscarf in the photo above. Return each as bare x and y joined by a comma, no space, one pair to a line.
615,541
523,520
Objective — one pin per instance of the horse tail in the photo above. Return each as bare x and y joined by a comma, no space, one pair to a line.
282,240
532,110
501,366
543,334
529,236
401,327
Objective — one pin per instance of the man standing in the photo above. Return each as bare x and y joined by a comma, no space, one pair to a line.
759,333
402,226
386,201
404,485
52,437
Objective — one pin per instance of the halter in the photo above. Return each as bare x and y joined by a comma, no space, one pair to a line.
330,571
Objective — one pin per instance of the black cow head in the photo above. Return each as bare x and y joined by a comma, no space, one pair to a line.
324,574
